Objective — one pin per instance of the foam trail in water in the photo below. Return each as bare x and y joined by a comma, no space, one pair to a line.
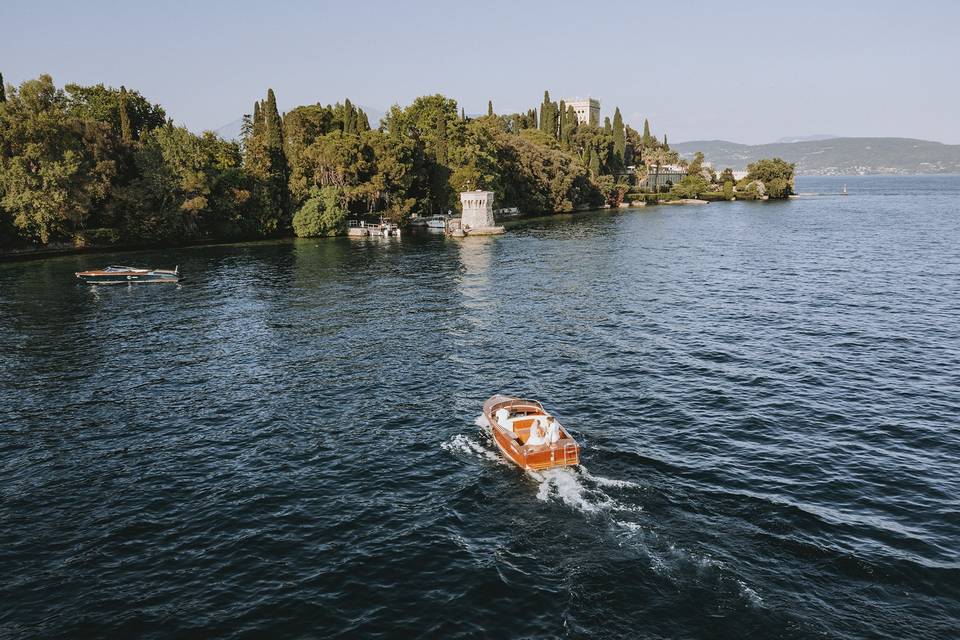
462,443
567,486
607,482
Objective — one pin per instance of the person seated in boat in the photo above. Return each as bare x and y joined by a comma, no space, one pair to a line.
553,430
503,419
538,435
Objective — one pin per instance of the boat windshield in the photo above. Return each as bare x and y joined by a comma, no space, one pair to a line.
115,267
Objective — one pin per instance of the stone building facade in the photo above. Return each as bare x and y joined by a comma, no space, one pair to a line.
477,209
588,110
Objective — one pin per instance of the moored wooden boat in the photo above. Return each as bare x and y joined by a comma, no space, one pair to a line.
116,274
513,434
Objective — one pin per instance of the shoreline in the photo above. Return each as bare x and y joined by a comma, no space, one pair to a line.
24,255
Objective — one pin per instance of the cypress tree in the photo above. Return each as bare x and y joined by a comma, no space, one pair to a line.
463,115
125,133
565,126
619,138
349,118
647,140
666,146
587,153
595,164
545,113
363,122
489,107
607,127
257,120
272,122
3,90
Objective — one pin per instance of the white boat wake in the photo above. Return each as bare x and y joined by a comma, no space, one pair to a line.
591,494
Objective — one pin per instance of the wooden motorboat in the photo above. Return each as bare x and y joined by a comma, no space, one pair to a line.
513,433
115,274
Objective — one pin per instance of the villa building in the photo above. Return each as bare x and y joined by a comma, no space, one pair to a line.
587,109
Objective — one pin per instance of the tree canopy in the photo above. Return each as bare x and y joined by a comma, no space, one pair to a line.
86,158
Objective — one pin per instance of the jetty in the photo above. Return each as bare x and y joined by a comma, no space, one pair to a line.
360,229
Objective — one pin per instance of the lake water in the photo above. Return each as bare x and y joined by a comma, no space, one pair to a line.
287,444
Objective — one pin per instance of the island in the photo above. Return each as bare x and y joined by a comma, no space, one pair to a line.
95,166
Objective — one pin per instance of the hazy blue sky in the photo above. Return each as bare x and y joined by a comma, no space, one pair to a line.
738,70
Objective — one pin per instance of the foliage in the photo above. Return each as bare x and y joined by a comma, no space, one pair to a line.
728,189
690,186
54,167
323,213
619,140
613,191
696,165
96,238
775,174
103,104
95,165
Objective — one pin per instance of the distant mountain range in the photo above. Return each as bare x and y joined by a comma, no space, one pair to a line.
835,156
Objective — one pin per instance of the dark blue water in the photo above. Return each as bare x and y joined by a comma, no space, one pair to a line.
287,445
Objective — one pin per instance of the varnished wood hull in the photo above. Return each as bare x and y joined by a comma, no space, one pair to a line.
113,275
564,453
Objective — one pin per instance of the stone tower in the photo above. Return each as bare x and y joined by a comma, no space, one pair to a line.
477,218
477,209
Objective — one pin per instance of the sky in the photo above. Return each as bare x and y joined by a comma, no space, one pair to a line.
750,72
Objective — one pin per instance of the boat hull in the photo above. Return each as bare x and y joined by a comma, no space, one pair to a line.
564,453
129,277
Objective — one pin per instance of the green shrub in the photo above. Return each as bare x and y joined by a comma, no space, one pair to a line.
775,174
690,186
322,214
728,189
714,196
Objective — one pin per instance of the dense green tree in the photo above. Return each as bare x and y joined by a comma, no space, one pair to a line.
93,159
3,90
55,168
323,213
187,187
775,174
690,186
265,160
595,164
728,190
619,140
726,176
536,177
695,168
607,127
273,125
647,138
102,103
126,133
489,107
634,145
549,112
256,130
